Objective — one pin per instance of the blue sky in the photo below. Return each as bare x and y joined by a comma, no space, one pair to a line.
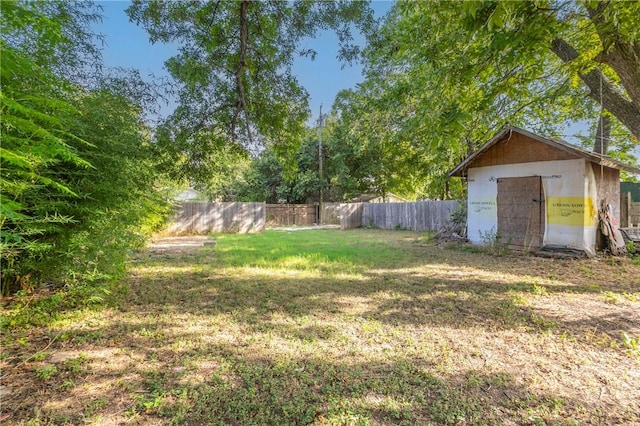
127,45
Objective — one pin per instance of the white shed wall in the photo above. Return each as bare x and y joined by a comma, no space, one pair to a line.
570,201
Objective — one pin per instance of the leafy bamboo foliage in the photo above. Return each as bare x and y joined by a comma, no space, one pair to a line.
79,183
34,142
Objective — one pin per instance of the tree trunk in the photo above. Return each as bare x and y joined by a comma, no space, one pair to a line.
609,97
618,51
242,63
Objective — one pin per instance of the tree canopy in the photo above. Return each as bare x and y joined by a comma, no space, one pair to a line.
538,62
233,70
442,77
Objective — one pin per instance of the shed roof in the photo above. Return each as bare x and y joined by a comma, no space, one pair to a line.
505,134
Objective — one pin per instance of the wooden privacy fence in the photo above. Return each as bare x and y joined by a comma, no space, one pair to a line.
205,217
418,216
331,213
629,211
301,214
351,215
291,214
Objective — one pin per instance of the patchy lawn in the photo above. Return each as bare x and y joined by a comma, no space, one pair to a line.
330,327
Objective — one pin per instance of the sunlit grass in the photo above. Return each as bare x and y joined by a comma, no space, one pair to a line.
330,327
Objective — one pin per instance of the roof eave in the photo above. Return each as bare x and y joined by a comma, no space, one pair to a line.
593,157
462,167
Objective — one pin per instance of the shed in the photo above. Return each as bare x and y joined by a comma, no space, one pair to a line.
532,192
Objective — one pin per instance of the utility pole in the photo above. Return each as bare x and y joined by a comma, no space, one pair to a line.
320,165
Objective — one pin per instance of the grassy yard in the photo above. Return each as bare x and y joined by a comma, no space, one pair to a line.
338,328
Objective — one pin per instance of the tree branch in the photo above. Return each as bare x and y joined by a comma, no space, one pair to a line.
619,53
242,63
609,97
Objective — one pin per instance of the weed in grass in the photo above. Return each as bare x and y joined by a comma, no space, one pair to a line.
67,385
151,403
587,271
41,418
40,356
610,297
631,248
542,323
153,334
593,287
426,238
474,379
517,299
83,337
95,406
493,243
488,238
632,345
483,381
46,372
539,290
75,365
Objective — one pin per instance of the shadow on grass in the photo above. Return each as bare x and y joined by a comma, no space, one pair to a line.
407,335
153,377
420,285
230,384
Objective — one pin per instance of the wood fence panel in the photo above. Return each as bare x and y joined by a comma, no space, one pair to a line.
331,213
634,216
291,214
205,217
351,215
629,211
418,216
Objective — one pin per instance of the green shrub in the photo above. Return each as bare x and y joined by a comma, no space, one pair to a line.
78,175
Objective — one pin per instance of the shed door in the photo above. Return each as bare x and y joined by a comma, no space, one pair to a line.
521,212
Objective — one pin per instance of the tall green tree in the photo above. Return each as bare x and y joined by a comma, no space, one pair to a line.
56,35
264,180
536,62
445,76
379,151
233,70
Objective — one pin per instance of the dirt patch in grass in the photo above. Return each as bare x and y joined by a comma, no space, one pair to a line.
176,244
330,327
